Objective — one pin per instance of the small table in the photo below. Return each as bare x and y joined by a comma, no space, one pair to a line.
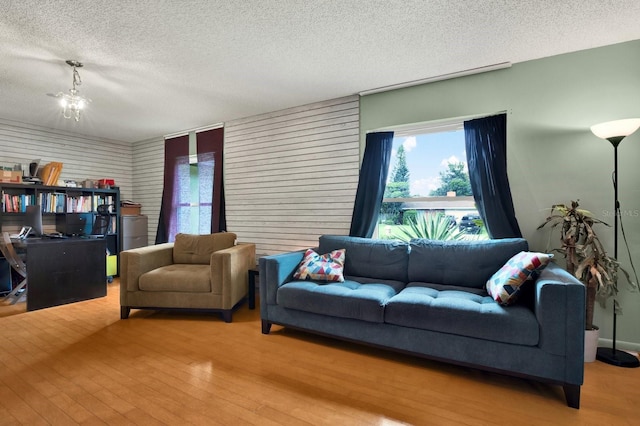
253,273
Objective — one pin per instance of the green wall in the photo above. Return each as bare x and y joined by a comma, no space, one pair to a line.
552,155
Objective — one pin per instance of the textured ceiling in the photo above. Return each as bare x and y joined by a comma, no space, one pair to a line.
159,67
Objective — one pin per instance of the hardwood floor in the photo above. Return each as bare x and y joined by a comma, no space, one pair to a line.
81,364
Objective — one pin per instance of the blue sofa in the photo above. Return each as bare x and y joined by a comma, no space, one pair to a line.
427,298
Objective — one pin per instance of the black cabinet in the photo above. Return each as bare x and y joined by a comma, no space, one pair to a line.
64,271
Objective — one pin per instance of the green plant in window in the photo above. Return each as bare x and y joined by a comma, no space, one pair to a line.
432,226
408,216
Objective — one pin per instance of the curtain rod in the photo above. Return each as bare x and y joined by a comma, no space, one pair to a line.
197,130
433,126
441,77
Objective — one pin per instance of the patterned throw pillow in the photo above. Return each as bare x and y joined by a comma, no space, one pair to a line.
327,267
505,284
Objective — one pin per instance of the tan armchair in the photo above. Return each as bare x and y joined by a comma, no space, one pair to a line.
197,272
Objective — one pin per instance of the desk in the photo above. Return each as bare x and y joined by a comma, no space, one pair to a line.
63,271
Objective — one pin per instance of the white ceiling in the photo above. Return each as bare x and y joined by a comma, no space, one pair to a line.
159,67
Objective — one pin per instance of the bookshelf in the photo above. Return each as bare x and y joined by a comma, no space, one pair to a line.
57,202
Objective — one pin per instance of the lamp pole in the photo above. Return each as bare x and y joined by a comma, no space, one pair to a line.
612,355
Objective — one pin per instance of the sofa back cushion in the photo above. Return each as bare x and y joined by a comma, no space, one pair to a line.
190,248
370,258
460,263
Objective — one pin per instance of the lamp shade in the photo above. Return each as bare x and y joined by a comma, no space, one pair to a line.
616,129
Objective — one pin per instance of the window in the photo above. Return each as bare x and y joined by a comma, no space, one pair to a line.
192,199
194,184
428,193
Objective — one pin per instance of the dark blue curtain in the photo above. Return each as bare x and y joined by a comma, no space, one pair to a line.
371,184
486,145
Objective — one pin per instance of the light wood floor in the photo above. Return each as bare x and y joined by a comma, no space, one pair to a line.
81,364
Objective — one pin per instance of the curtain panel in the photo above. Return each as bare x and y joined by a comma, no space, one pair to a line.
371,184
176,191
212,141
486,146
174,148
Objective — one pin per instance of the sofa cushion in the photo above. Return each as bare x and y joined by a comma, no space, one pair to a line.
462,313
460,263
326,267
177,277
381,259
189,248
348,299
504,286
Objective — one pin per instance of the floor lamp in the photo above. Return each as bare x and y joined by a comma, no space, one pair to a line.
615,132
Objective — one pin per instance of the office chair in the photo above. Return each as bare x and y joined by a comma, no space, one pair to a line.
101,224
9,253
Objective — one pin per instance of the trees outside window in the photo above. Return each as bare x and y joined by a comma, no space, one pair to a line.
397,187
453,180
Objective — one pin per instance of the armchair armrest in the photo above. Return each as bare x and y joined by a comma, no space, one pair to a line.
135,262
229,272
275,271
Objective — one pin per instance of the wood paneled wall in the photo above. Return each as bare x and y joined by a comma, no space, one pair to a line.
148,175
291,175
83,157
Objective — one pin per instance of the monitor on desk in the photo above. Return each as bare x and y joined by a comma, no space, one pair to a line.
74,224
33,219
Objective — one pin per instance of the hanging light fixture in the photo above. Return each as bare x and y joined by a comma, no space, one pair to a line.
73,103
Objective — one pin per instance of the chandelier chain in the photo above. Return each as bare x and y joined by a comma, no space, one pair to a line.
76,78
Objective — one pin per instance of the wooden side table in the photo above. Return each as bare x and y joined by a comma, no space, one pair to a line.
253,273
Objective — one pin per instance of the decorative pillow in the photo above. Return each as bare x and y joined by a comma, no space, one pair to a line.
505,284
327,267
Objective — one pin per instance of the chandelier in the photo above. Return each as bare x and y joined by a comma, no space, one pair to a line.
73,103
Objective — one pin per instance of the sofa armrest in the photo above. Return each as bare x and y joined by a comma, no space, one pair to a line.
275,271
559,306
135,262
229,272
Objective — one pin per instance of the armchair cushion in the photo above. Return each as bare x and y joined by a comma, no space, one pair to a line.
198,248
178,278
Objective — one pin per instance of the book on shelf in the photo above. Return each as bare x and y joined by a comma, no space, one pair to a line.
79,204
52,202
16,203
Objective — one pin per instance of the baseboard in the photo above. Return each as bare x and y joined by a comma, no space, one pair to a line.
627,346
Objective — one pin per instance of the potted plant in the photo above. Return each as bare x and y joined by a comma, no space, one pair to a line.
587,260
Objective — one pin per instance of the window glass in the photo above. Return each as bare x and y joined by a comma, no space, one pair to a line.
193,194
428,193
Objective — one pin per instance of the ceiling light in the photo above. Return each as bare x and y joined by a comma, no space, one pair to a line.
73,103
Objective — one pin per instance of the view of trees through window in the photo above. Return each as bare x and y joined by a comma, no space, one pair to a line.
428,192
